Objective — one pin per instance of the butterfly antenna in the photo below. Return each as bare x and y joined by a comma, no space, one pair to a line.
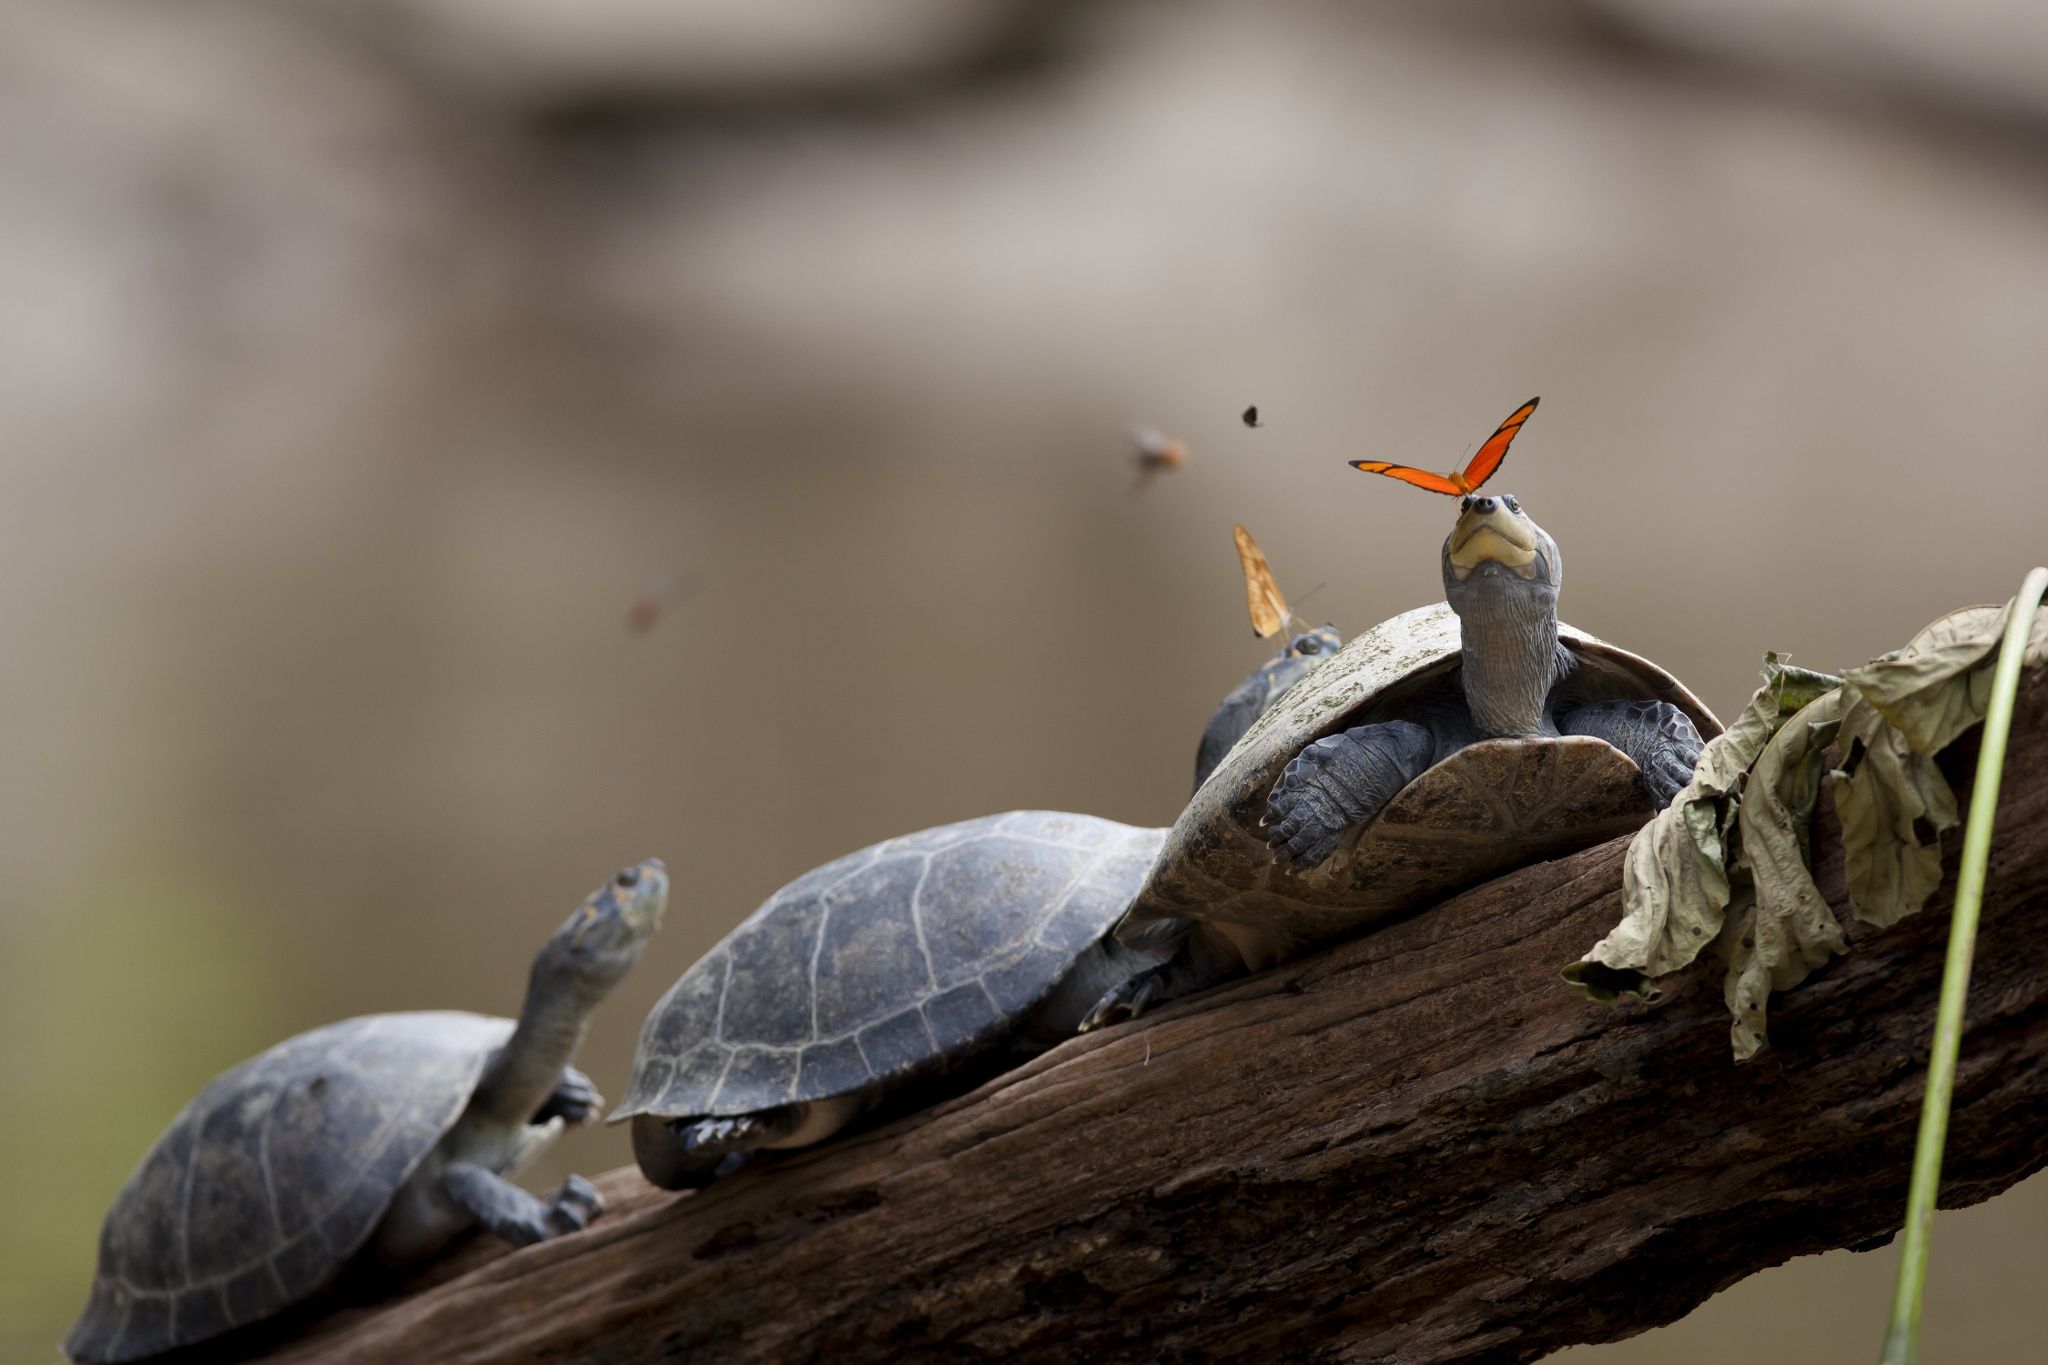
1298,624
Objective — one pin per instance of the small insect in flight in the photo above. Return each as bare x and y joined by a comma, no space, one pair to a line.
647,605
1478,469
1155,453
1250,416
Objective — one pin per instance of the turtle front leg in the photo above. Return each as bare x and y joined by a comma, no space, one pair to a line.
1657,737
663,1159
1200,960
691,1152
575,1101
1339,783
739,1133
512,1213
1133,996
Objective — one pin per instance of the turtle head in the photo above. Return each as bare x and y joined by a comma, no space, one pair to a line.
1497,552
1316,645
606,934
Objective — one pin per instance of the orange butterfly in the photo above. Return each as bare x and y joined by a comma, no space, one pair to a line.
1478,469
1268,608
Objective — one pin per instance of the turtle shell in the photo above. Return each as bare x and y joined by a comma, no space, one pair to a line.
1491,806
887,963
274,1176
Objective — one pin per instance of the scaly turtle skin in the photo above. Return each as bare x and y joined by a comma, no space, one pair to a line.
888,966
1438,749
1254,696
375,1139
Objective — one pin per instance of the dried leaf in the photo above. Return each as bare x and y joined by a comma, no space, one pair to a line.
1893,801
1789,929
1675,887
1730,862
1910,687
1894,805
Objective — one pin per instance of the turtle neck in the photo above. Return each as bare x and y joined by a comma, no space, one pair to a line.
1511,655
524,1072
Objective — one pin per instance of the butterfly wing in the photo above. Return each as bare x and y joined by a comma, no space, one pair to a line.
1261,594
1421,478
1482,465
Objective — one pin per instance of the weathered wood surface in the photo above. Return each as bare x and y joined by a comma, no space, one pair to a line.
1419,1147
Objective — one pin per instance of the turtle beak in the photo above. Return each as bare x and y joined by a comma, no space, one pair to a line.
648,897
629,905
1488,533
654,899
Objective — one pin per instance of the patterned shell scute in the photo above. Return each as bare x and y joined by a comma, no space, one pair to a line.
884,962
273,1177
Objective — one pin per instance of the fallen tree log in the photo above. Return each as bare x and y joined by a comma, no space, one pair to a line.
1421,1146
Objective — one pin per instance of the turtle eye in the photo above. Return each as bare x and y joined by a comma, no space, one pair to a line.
1465,503
1513,506
630,877
1310,645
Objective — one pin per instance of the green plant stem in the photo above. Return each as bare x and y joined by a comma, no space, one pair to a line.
1902,1339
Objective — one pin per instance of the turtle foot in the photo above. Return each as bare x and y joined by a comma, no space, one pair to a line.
1301,842
1336,785
573,1206
741,1133
1665,778
511,1212
659,1151
576,1100
1126,1000
1658,738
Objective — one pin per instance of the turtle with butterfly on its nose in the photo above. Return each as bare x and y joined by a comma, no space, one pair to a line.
1434,751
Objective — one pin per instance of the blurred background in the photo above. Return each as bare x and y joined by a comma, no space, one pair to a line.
363,361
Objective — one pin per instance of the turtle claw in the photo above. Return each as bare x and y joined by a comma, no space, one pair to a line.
744,1132
573,1206
1665,779
1126,1000
710,1135
1299,830
576,1100
1305,849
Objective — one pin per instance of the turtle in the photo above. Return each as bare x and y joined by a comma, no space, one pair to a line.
1436,750
368,1143
908,961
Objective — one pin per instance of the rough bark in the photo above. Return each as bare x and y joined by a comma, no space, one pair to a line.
1421,1146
